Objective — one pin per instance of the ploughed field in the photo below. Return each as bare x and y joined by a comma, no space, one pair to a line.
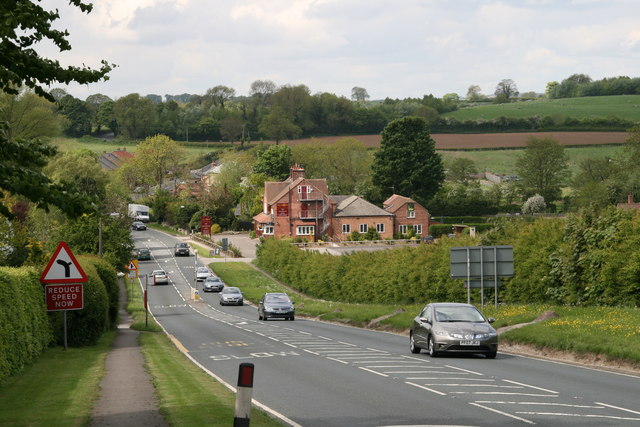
489,140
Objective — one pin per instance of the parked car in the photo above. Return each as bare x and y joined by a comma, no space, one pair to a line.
138,225
143,254
159,277
202,273
231,295
181,249
275,305
213,284
453,328
428,239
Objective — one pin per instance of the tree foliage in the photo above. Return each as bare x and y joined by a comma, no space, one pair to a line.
274,162
407,162
543,168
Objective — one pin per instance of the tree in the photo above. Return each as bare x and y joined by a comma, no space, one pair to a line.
473,93
277,126
506,90
28,115
359,94
407,162
81,168
460,170
261,91
158,157
77,114
231,128
543,168
274,162
220,94
135,115
24,24
534,204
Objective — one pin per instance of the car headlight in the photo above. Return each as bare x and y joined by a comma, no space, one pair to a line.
447,334
485,336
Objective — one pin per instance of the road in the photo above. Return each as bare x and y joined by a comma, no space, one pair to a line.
321,374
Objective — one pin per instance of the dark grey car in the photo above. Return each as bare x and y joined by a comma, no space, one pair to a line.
275,305
181,249
453,328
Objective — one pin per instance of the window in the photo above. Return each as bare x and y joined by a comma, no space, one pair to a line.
267,229
364,228
411,211
417,228
304,191
346,228
304,230
380,228
402,229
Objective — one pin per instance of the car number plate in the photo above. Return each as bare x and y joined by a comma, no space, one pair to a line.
469,342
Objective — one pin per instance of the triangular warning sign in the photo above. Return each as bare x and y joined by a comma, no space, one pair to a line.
63,267
132,266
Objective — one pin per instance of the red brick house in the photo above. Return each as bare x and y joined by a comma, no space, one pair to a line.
302,207
408,215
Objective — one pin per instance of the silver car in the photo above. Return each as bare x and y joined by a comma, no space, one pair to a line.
159,276
231,295
213,284
202,273
453,328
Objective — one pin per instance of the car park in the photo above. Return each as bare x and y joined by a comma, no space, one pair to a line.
138,226
202,273
275,305
231,295
453,328
143,254
213,284
181,249
159,277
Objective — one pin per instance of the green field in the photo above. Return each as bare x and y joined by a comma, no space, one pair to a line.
504,161
622,106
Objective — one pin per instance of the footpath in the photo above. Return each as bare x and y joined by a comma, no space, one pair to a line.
127,397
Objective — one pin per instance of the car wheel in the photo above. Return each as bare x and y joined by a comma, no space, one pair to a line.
412,345
292,318
432,348
259,316
492,355
241,303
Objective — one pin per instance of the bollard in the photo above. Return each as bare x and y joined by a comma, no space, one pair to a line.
243,395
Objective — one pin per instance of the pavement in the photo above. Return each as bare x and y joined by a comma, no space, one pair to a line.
127,397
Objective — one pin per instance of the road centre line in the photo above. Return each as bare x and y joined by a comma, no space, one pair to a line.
617,407
464,370
560,414
426,388
531,386
502,413
441,378
373,372
474,385
540,404
500,393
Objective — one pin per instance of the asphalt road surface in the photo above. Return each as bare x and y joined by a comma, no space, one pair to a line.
321,374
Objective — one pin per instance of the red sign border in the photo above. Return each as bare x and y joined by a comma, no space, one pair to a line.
63,284
83,277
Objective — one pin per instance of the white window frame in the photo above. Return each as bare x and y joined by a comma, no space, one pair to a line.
417,228
305,230
309,188
380,227
364,228
267,229
411,214
403,229
346,228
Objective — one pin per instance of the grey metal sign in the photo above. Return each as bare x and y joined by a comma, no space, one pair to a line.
488,282
481,261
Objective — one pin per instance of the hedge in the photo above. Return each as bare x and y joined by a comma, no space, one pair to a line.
24,328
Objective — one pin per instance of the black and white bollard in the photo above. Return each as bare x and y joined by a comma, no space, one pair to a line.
243,395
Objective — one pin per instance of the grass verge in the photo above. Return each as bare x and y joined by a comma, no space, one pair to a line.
187,396
58,389
609,331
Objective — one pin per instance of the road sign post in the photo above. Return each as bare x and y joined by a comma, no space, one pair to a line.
243,395
63,279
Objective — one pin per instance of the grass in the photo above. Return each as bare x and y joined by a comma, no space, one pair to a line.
622,106
504,161
613,332
58,389
164,228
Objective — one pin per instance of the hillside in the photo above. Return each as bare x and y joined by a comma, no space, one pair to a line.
622,106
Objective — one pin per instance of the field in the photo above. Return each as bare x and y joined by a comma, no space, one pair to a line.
622,106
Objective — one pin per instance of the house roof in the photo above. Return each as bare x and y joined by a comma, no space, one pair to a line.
357,206
396,201
274,191
207,169
114,159
263,218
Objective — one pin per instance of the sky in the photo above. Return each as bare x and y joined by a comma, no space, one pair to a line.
391,48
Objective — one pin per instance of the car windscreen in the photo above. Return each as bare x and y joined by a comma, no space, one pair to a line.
458,314
277,298
231,291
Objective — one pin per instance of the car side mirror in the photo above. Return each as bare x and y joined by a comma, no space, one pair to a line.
425,320
491,320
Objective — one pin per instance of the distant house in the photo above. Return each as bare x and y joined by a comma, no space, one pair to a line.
112,161
409,215
302,207
630,203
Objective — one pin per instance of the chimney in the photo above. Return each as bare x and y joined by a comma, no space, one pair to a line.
297,171
630,198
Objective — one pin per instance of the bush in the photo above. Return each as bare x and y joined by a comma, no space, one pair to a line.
109,277
24,329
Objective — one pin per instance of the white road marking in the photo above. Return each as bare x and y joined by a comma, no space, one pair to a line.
426,388
617,407
531,386
502,413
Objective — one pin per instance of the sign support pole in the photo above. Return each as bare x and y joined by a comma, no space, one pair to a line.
495,270
65,328
468,276
482,279
146,300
